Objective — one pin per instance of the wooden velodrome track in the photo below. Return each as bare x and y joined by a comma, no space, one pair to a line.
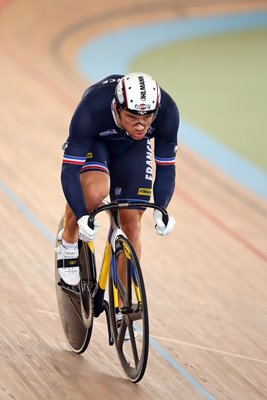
206,284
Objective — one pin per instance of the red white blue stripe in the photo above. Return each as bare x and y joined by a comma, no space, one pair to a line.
165,161
94,166
73,160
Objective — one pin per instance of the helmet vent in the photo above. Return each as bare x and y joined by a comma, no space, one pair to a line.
138,93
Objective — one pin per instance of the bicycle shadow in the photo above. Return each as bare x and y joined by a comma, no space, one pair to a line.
94,375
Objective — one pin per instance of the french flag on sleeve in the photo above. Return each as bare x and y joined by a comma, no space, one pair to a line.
73,160
165,161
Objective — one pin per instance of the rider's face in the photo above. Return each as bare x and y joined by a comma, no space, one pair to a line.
136,125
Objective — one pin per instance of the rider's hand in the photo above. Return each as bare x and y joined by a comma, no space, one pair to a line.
161,228
85,233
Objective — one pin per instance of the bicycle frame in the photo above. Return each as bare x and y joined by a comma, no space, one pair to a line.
127,298
108,258
113,209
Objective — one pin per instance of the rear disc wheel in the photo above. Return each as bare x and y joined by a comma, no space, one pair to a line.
75,305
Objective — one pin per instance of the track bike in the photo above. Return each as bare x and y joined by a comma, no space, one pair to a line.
79,305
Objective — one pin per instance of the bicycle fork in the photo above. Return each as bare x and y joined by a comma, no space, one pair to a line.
100,304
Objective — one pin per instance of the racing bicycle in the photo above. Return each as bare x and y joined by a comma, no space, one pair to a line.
79,305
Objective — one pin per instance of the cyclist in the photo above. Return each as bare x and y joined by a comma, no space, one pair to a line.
108,152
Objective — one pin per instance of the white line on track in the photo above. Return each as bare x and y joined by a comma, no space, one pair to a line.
205,348
101,326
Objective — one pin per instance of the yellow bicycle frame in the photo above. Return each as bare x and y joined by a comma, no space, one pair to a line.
105,268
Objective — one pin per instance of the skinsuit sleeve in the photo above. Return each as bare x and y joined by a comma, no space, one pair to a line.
165,154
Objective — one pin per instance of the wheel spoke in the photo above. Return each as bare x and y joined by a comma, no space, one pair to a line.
133,345
121,333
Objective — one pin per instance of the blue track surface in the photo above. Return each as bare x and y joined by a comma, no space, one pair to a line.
114,54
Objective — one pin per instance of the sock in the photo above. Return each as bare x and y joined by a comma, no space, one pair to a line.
69,245
66,244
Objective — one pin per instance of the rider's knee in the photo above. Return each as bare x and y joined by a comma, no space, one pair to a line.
132,226
95,198
95,188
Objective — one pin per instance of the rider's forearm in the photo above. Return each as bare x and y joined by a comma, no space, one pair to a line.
70,179
164,185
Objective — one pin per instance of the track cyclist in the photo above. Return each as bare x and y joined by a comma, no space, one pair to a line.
108,152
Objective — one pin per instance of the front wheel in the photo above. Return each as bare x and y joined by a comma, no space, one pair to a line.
127,299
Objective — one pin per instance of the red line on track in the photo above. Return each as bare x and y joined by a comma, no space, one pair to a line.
40,77
220,224
65,99
3,3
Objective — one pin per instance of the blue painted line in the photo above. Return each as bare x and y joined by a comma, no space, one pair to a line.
112,53
193,381
15,200
26,211
115,52
234,165
163,352
122,66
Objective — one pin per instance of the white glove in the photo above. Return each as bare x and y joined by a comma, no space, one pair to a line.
161,228
87,234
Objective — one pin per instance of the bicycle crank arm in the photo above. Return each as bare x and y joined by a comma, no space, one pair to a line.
98,299
106,309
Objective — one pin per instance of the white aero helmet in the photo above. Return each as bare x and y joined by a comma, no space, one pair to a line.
138,93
